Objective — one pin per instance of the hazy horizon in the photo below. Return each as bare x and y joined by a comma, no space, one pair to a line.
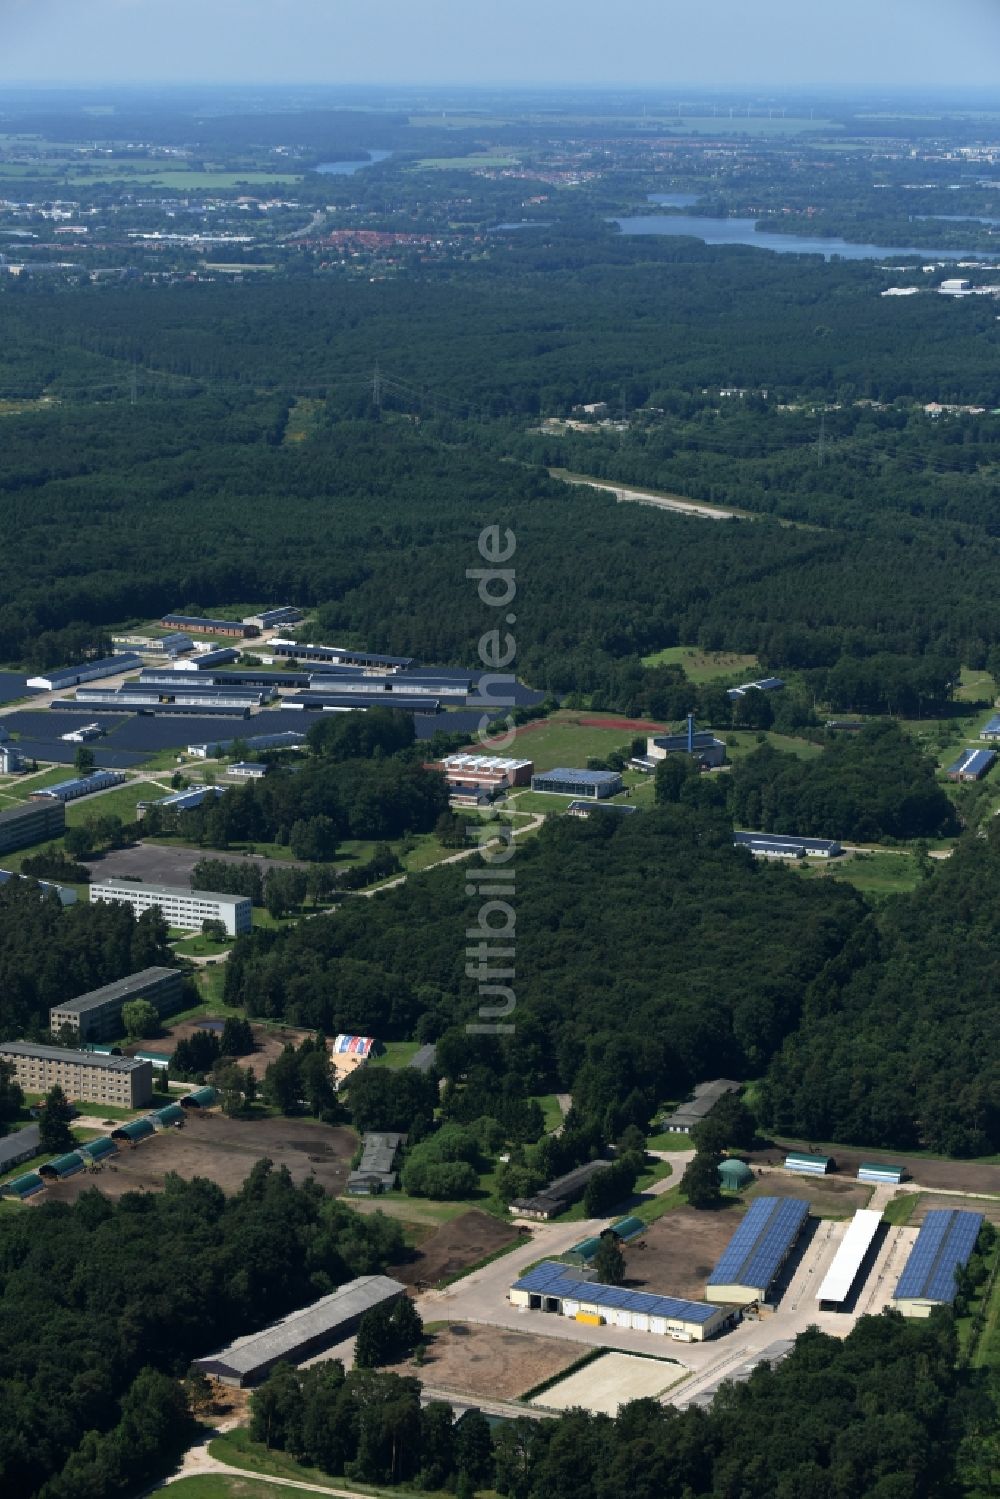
895,46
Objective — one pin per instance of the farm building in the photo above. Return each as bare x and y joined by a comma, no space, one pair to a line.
735,1174
69,791
593,784
19,1147
180,801
880,1171
23,1187
87,671
808,1165
551,1287
193,624
62,1166
839,1280
944,1245
171,1116
990,729
971,765
223,655
348,1053
301,1333
82,1075
627,1228
786,846
281,614
33,822
173,644
101,1149
583,1253
559,1194
753,1258
286,650
763,684
699,1105
180,907
201,1098
97,1016
376,1171
134,1133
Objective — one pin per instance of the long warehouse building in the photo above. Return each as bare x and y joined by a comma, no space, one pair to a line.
82,1075
32,822
855,1246
552,1287
753,1258
97,1016
301,1333
180,907
943,1246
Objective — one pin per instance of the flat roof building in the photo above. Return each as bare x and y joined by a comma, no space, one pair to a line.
486,769
786,846
285,650
563,781
180,801
180,907
588,808
551,1287
19,1147
223,655
702,746
751,1262
301,1333
97,1016
288,739
83,1075
33,822
839,1280
944,1245
247,770
66,894
699,1105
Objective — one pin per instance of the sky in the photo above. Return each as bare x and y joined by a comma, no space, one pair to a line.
725,44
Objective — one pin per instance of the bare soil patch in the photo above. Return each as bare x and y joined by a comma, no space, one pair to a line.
954,1176
827,1196
677,1253
928,1202
454,1247
270,1041
490,1362
223,1150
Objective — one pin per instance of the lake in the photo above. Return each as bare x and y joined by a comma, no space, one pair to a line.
742,232
348,168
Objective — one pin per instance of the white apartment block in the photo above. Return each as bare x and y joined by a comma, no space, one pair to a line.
180,907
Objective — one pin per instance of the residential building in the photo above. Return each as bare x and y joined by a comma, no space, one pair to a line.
180,907
97,1016
33,822
83,1075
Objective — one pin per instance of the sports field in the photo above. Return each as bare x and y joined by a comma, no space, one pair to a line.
610,1382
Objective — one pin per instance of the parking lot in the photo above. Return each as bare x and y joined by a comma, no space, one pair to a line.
169,863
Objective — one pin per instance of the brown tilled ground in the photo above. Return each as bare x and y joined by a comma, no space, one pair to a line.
454,1246
469,1358
827,1196
956,1176
677,1253
270,1041
223,1150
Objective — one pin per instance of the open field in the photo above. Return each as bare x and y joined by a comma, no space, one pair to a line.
610,1382
873,874
703,666
928,1170
491,1363
677,1253
568,737
466,1239
827,1196
223,1150
396,1054
121,802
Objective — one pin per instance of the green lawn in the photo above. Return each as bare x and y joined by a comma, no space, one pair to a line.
877,874
669,1140
563,739
740,742
397,1054
704,666
118,803
900,1210
236,1449
200,946
975,686
226,1486
553,1114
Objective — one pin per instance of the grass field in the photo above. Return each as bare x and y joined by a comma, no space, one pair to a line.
703,666
975,686
564,739
397,1054
900,1210
237,1450
228,1486
118,803
877,875
19,788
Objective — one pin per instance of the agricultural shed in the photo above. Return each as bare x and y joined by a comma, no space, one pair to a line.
139,1129
23,1186
750,1262
943,1246
201,1098
808,1165
62,1166
847,1262
551,1287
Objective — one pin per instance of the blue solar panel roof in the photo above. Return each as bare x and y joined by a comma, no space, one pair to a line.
584,777
755,1253
946,1239
551,1279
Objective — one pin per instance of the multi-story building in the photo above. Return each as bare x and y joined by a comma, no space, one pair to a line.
97,1016
33,822
83,1075
180,907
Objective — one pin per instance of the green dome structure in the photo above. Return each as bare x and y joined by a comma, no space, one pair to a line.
735,1175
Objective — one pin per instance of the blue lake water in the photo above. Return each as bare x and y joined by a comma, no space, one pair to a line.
742,232
348,168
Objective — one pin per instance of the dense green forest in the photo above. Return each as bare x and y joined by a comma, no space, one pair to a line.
880,1413
49,953
652,928
179,1274
899,1041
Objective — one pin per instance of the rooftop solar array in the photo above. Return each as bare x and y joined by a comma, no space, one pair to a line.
946,1239
757,1250
972,762
551,1279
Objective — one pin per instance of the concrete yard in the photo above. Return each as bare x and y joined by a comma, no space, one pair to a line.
610,1382
171,863
223,1150
489,1362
